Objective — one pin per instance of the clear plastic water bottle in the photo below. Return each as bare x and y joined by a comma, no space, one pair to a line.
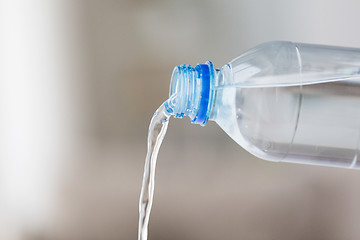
281,101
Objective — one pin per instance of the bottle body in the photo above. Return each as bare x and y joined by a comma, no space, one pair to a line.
291,102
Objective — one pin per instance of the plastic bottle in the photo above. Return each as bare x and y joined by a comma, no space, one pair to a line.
281,101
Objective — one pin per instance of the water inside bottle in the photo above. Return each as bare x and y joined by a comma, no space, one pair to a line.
314,123
157,131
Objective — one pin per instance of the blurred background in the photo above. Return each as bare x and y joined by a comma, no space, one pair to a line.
79,82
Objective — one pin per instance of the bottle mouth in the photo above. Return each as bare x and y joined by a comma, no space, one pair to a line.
191,92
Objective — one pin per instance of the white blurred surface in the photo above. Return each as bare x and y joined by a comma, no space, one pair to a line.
39,120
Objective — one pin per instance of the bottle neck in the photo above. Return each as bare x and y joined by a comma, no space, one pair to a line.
192,92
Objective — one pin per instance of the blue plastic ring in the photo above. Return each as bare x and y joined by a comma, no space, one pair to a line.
204,72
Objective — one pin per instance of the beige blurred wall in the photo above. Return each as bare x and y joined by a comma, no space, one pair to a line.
107,68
